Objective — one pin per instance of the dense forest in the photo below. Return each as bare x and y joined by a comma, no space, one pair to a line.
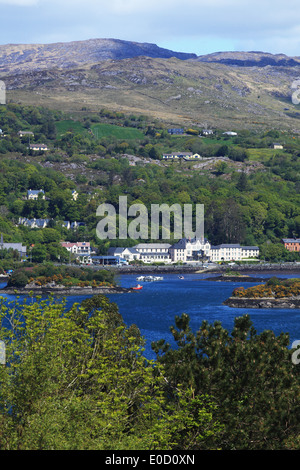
249,190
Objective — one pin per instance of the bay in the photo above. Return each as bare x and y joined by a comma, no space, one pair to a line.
153,309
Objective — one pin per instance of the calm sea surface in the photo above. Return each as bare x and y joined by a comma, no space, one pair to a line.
154,308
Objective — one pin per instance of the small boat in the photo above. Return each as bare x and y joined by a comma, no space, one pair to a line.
181,277
149,278
137,287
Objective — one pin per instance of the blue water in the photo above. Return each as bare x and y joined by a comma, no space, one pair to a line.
153,309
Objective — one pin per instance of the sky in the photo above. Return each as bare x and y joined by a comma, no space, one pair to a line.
196,26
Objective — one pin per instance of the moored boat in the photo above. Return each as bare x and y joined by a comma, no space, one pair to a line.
137,287
149,278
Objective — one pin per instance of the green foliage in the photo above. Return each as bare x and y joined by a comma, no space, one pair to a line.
261,201
41,274
249,376
77,380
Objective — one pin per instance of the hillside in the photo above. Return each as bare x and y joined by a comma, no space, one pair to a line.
250,59
222,90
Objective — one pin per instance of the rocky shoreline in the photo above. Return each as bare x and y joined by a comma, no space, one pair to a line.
266,302
64,291
283,268
244,278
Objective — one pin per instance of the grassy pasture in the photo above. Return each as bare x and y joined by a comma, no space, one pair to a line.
125,133
64,126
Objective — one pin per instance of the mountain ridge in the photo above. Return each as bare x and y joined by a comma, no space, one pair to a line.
75,53
110,73
20,57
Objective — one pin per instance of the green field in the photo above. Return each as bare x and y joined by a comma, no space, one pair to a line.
261,154
69,125
125,133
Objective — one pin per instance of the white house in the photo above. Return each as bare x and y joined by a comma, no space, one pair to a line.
176,155
82,251
79,248
277,146
34,223
38,147
74,195
34,194
130,254
25,134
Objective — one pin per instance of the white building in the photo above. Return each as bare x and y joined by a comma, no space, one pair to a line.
74,195
185,251
130,254
25,134
82,251
233,252
79,248
34,223
34,194
190,250
154,252
21,249
38,147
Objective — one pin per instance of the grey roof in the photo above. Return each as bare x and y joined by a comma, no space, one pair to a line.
35,191
250,248
291,240
152,245
133,250
112,250
234,245
14,246
151,253
227,245
181,244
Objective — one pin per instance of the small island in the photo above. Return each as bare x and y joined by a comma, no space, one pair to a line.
62,281
275,293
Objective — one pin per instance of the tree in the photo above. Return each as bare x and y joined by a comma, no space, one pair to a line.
38,253
242,183
76,379
18,279
250,376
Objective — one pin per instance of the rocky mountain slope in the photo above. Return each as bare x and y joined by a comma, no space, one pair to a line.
218,90
27,57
